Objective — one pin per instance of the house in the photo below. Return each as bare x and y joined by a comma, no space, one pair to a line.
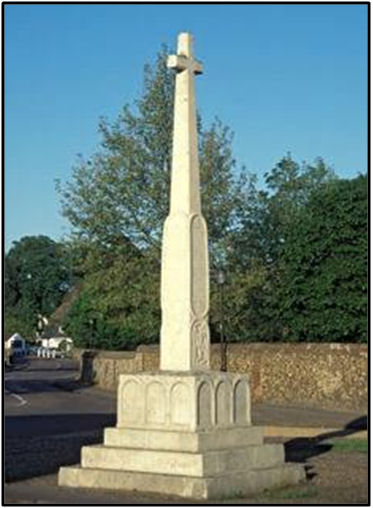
55,342
16,345
52,334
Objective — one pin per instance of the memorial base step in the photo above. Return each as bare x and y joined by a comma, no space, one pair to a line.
227,486
216,439
205,464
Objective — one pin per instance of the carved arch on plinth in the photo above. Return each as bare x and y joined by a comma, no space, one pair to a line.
131,402
205,406
155,403
241,402
223,403
180,403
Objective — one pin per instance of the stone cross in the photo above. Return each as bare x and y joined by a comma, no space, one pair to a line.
185,430
185,338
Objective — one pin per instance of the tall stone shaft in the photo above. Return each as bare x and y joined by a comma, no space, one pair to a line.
185,342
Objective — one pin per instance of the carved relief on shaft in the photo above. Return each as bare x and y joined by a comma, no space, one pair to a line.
201,344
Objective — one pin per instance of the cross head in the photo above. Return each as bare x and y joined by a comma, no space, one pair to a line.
184,59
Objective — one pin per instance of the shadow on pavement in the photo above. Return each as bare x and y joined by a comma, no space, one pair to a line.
70,368
35,364
39,444
303,448
44,385
44,425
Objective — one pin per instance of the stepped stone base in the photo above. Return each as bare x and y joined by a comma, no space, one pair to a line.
201,441
228,486
185,434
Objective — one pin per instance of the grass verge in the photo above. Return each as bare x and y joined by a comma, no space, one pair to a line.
350,445
300,492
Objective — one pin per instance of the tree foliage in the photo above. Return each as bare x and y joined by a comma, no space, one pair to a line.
256,254
324,281
37,275
118,307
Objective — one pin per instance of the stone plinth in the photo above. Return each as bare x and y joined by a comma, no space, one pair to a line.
187,434
183,401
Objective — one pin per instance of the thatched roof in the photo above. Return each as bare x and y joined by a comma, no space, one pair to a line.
52,329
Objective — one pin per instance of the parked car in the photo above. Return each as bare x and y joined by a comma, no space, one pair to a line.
32,350
58,353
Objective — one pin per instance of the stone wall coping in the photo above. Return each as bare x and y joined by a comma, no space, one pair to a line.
108,354
252,346
274,346
148,348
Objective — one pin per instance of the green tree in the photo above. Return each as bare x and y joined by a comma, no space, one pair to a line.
120,197
37,275
324,281
14,322
288,187
256,258
118,307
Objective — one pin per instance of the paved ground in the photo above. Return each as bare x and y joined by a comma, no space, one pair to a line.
49,416
333,478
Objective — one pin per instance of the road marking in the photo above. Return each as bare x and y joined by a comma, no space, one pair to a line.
21,400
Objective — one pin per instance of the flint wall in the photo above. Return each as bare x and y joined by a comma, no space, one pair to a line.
322,375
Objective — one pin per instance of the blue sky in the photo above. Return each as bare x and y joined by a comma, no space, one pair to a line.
283,77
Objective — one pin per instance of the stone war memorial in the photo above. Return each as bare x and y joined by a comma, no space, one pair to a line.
184,430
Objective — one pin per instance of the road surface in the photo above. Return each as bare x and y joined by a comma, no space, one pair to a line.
49,416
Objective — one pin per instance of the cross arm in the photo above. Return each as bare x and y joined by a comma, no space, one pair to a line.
180,63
